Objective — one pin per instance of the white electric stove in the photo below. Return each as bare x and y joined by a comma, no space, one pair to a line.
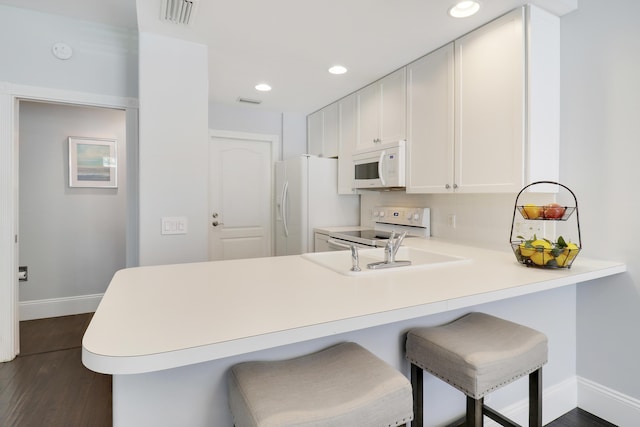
415,221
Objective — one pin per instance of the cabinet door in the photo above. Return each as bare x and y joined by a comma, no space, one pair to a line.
368,104
490,88
321,243
393,105
347,137
430,122
330,131
315,133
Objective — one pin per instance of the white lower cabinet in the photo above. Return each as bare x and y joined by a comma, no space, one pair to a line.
503,129
321,242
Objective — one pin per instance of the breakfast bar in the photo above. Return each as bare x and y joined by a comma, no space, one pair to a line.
168,334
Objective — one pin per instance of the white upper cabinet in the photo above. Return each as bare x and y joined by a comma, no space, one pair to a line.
315,133
381,111
322,132
430,160
490,111
347,139
505,127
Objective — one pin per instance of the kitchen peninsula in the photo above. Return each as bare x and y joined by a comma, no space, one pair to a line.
168,334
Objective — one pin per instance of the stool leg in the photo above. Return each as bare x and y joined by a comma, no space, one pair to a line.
416,385
474,412
535,398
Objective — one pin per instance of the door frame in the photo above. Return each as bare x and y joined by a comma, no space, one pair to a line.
10,97
274,141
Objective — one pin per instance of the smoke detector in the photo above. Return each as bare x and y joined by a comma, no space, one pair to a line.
179,11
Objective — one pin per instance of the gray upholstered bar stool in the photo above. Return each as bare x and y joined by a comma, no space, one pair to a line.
477,354
343,385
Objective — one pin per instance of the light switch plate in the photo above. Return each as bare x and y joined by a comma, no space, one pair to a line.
173,225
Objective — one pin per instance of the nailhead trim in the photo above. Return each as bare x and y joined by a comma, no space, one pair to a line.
483,393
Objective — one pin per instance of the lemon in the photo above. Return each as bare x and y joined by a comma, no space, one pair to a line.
571,250
567,255
542,254
526,251
531,211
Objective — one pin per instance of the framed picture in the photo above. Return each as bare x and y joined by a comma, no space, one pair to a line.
92,162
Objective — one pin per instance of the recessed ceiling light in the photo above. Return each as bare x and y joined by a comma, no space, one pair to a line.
263,87
464,9
337,69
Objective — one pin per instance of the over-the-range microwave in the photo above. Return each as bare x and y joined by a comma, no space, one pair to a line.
382,166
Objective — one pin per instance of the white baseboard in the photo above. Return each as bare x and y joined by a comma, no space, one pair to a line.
557,400
608,404
40,309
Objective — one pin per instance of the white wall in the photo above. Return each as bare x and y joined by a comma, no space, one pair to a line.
104,58
291,128
72,239
599,158
173,148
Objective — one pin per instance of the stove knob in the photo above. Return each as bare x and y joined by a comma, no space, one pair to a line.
416,216
409,216
381,214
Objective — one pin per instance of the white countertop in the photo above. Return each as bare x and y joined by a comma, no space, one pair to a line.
162,317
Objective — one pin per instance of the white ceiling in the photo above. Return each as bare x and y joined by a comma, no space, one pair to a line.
290,44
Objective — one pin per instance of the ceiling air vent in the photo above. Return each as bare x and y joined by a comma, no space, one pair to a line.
249,100
179,11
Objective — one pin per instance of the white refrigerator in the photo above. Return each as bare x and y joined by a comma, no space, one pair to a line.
307,197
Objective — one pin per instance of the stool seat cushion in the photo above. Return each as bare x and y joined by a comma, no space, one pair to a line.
338,386
477,353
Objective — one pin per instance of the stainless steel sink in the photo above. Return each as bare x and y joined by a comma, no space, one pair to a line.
340,261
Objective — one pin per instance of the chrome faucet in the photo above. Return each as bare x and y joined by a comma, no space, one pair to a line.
355,260
390,251
392,246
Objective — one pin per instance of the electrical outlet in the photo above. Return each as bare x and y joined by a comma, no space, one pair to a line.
451,220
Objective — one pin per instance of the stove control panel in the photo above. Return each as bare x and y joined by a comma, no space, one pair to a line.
416,217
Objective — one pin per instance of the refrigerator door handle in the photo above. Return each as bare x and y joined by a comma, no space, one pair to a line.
381,168
283,207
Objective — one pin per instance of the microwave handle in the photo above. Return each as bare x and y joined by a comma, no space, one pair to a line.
381,168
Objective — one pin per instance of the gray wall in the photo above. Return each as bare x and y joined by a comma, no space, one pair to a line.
72,239
599,159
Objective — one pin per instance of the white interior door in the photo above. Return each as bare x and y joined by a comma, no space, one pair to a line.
240,195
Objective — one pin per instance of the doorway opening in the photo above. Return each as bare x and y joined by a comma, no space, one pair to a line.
10,306
71,239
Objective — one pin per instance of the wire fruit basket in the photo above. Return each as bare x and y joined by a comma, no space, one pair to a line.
534,251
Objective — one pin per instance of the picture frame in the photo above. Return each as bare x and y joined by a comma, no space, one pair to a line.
93,162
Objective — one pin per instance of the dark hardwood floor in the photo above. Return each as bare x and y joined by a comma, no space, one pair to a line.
47,385
579,418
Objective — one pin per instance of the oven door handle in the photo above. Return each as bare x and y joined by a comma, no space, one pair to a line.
345,245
